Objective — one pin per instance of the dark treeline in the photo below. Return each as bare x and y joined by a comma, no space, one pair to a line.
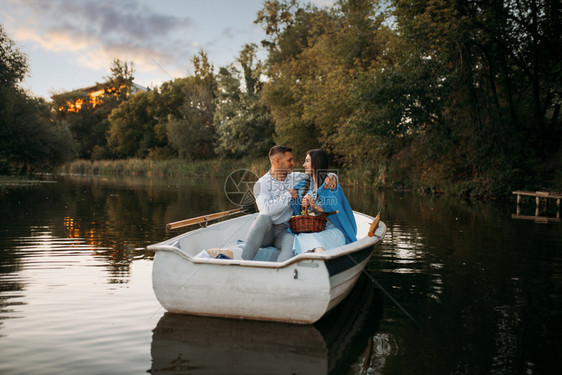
455,96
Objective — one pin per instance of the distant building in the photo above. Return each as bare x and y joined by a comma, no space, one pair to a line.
73,101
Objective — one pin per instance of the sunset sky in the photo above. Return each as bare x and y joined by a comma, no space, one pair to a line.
70,44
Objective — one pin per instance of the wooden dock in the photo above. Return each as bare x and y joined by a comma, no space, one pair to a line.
539,196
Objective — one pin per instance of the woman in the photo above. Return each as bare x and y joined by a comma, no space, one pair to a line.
341,227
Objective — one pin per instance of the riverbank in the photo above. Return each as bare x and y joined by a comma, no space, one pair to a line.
398,177
162,168
215,168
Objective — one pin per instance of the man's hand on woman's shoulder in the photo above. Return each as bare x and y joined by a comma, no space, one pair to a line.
331,182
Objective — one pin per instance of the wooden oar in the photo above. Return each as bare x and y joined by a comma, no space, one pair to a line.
374,224
201,219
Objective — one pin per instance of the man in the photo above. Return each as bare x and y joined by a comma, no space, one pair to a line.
273,193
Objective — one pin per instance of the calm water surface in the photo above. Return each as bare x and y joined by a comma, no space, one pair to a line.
467,289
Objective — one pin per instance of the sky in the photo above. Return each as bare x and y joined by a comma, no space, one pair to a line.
70,44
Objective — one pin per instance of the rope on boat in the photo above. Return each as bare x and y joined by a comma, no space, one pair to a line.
390,297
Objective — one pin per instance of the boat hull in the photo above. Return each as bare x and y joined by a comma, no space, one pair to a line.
299,290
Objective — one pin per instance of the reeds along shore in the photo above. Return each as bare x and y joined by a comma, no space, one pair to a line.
371,175
202,168
162,168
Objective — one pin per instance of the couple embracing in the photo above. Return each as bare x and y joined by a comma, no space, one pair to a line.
280,193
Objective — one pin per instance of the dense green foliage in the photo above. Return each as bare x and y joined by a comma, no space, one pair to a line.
485,82
28,138
90,125
191,131
461,97
243,123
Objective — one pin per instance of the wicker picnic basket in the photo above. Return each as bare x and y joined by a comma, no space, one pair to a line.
306,223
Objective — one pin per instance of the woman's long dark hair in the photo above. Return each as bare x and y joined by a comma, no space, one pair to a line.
319,164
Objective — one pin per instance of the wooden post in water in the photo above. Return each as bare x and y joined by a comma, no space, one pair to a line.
538,196
538,200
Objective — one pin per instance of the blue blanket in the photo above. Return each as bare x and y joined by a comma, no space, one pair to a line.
297,202
331,200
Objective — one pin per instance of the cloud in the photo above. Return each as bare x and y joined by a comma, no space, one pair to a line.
323,3
98,31
53,40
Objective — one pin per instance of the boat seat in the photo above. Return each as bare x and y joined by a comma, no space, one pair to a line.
267,254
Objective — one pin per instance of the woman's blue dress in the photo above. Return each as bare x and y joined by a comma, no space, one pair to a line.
329,238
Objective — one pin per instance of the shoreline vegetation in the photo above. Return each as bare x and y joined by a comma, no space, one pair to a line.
379,177
210,168
372,176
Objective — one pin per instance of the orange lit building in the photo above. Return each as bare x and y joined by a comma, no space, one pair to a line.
93,95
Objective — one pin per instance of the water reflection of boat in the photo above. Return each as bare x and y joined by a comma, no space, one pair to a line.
300,290
349,328
205,345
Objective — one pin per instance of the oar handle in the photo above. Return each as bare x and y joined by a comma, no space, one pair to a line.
374,225
201,219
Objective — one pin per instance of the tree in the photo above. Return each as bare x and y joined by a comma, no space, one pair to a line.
190,131
243,124
276,16
118,84
28,139
475,81
190,127
89,125
13,63
30,142
316,59
288,28
131,131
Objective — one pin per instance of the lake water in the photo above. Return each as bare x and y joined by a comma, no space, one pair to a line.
466,289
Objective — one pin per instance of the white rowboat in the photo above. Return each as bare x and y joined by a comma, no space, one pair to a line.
299,290
242,347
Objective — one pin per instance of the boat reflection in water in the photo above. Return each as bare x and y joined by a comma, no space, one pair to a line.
202,345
